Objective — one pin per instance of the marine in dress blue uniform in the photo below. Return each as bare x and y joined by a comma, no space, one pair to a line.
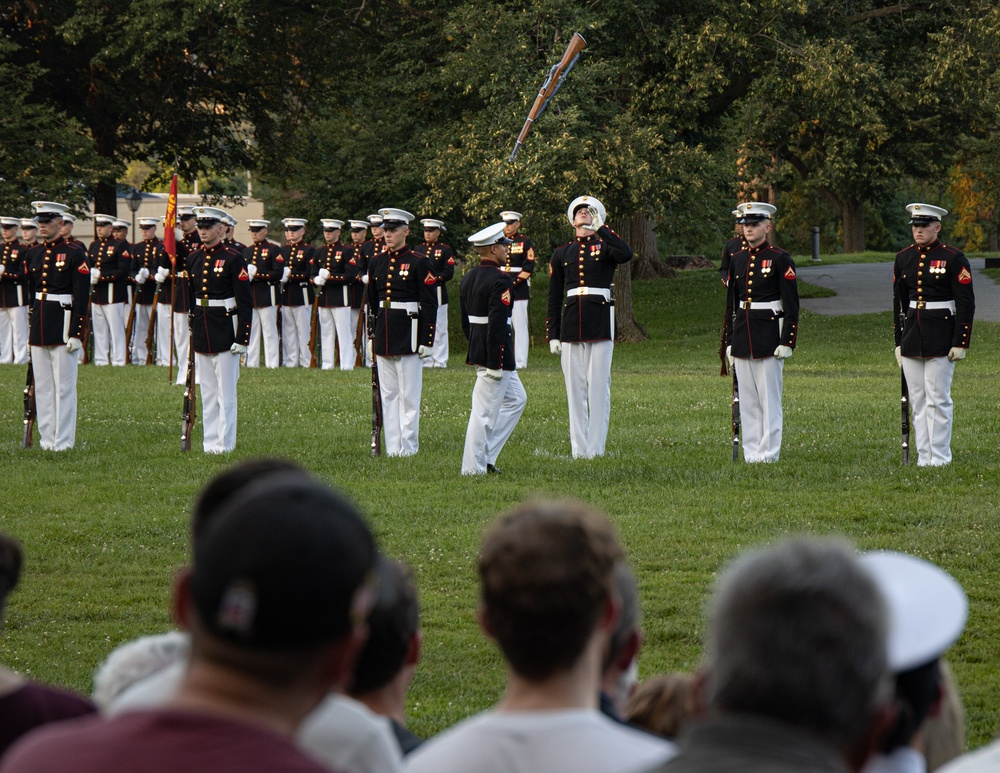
402,294
359,238
762,325
147,256
110,261
265,266
13,295
296,296
733,246
221,305
59,284
520,264
333,273
173,294
498,398
442,259
934,306
581,325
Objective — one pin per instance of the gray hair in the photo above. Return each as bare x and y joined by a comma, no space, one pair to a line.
797,632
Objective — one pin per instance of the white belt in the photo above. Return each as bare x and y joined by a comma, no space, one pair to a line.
53,297
513,269
226,303
476,320
604,292
411,306
933,305
774,306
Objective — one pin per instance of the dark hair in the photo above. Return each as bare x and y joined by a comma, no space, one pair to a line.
392,624
916,691
10,565
546,571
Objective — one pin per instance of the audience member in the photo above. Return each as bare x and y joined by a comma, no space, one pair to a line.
796,677
662,704
389,659
26,705
134,661
275,603
927,613
548,599
621,660
944,737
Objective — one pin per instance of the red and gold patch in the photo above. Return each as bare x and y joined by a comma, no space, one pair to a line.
451,261
790,273
244,276
430,279
506,298
964,277
84,269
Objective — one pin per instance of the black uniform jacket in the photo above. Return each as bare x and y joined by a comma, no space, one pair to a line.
930,275
219,273
57,268
13,291
442,258
298,257
402,277
520,257
761,275
586,263
114,260
734,245
270,263
148,255
487,291
363,255
178,273
339,260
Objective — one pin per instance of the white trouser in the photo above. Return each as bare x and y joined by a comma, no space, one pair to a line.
55,395
218,375
355,313
519,323
439,350
496,407
163,347
182,337
587,371
295,336
14,335
929,383
401,380
335,330
140,329
109,328
760,407
263,324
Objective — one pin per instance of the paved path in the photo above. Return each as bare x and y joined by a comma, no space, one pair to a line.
865,288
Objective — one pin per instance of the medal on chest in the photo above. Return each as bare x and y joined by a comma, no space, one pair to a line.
404,270
765,267
938,267
218,266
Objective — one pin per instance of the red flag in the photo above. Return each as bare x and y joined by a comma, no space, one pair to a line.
170,223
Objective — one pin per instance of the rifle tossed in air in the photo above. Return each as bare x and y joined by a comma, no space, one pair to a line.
553,82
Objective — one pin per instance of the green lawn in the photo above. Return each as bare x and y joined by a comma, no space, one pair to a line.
104,526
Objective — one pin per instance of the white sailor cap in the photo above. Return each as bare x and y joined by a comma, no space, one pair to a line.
207,214
358,225
755,211
737,214
153,221
927,607
29,222
10,222
120,224
104,219
68,218
394,218
257,223
585,201
925,213
510,216
492,234
375,220
229,220
185,212
46,211
294,223
430,224
330,223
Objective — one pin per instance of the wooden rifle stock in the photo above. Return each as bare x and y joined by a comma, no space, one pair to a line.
359,341
376,395
30,411
190,411
553,81
130,324
314,321
736,417
152,326
723,369
904,405
85,358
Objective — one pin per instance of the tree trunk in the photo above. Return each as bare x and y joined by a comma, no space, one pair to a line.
637,231
853,214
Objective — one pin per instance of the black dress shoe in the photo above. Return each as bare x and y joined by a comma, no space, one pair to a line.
492,469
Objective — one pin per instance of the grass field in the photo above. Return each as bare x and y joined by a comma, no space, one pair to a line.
104,526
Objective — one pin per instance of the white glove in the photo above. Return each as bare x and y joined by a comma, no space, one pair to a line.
495,374
95,275
251,271
73,345
324,273
238,349
783,352
423,352
369,350
141,276
555,346
161,275
956,353
319,280
729,356
285,274
595,219
2,269
364,279
898,351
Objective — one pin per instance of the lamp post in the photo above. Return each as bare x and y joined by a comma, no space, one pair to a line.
134,199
